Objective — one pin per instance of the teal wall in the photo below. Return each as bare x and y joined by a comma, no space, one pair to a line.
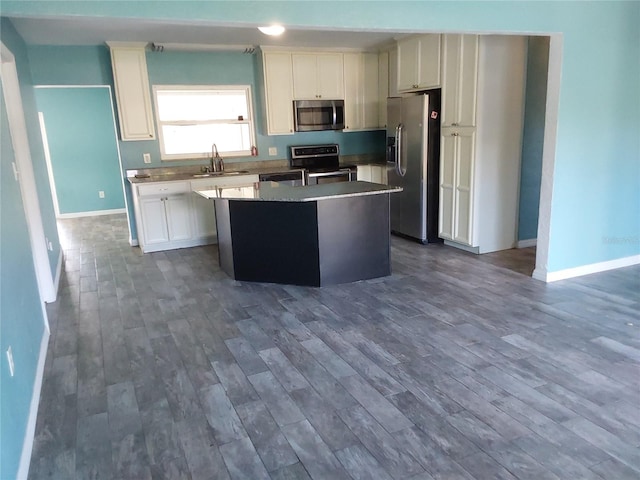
82,147
595,209
21,318
71,65
533,137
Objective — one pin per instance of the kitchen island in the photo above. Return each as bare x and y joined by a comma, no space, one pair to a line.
314,235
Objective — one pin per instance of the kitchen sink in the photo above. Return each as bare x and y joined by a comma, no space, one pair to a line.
219,174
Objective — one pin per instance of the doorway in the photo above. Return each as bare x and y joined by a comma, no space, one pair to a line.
81,149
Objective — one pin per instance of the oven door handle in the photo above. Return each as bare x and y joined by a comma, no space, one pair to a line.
335,173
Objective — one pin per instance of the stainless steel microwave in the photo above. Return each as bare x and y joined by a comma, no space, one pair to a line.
312,115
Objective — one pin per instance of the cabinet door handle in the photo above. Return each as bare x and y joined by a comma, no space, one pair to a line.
454,124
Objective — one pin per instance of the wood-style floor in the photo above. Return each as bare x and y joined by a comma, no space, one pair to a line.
455,367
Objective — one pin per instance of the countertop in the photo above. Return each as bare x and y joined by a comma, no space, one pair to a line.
170,174
275,192
149,175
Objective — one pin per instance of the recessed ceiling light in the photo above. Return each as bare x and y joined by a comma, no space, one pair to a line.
273,30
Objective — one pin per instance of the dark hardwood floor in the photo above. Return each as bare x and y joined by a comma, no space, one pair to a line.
455,367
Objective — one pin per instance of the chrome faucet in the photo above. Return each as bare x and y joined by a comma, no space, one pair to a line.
217,164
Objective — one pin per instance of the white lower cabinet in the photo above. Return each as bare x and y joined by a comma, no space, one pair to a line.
456,180
171,215
204,218
153,219
373,173
165,219
203,211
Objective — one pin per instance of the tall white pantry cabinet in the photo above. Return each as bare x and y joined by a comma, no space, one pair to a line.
483,88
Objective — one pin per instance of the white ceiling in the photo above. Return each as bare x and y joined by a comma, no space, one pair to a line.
95,31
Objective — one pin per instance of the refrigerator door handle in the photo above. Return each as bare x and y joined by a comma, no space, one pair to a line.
399,147
396,151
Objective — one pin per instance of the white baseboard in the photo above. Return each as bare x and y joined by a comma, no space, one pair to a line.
27,444
133,242
94,213
466,248
587,269
530,242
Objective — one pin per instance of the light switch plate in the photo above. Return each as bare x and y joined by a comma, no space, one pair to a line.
146,157
273,151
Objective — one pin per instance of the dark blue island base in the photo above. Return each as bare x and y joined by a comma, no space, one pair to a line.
315,243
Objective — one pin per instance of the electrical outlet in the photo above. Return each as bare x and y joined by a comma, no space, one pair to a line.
146,157
12,367
101,194
273,151
49,244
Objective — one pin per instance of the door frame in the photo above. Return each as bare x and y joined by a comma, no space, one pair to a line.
47,155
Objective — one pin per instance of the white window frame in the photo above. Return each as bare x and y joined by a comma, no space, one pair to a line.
190,156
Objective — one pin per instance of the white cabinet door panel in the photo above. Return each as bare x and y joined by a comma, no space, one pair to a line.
305,76
330,76
154,221
178,210
318,76
204,216
278,79
419,63
456,184
133,97
459,80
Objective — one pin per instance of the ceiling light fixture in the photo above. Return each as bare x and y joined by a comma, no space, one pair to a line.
273,30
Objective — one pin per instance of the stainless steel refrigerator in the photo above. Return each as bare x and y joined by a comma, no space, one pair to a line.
413,161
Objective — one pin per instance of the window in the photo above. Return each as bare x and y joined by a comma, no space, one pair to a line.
192,118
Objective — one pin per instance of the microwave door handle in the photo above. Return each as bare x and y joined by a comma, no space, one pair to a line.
335,115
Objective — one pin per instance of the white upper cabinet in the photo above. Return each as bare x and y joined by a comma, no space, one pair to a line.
361,91
459,80
133,97
318,76
278,88
419,63
370,90
383,88
352,91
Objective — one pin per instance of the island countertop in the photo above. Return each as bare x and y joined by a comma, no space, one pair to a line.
275,192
